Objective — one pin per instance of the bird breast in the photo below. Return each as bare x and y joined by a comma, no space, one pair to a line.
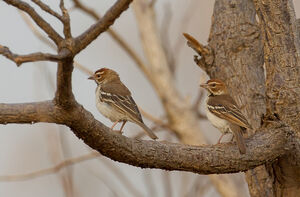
217,122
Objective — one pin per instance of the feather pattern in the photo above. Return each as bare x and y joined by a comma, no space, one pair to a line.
223,106
124,104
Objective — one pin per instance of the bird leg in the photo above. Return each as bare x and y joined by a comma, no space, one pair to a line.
115,123
124,122
219,141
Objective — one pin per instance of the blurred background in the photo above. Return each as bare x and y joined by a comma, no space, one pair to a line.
49,160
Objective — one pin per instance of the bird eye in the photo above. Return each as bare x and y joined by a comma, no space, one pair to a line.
98,76
213,85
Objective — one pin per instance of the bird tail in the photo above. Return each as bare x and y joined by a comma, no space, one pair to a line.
237,132
148,130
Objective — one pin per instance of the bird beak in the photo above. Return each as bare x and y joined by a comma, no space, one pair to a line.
204,85
91,77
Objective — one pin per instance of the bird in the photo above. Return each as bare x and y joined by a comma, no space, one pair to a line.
223,112
114,100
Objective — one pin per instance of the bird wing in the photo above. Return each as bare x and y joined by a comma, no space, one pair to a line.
120,98
223,106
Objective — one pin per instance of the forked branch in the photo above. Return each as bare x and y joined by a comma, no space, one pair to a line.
44,25
102,25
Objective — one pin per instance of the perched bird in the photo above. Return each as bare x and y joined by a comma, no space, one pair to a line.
114,101
223,112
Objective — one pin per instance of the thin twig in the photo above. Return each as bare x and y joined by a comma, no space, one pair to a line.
47,171
47,9
83,68
66,20
116,36
36,32
164,34
33,57
51,45
44,25
185,21
83,40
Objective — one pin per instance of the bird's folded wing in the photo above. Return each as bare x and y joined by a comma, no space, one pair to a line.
227,109
125,104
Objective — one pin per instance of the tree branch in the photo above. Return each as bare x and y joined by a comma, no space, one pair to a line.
103,24
117,37
64,95
66,20
47,9
33,57
265,146
46,27
28,113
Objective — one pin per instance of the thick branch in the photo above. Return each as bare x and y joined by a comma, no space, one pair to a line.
37,19
64,95
28,113
103,24
33,57
263,147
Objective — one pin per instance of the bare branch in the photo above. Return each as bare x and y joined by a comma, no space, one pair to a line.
78,4
103,24
33,57
117,37
47,171
264,146
47,9
64,95
66,20
27,113
36,31
205,52
46,41
46,27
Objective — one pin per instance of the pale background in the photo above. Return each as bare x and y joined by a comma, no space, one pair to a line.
27,148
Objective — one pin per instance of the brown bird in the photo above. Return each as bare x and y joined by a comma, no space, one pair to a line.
223,112
114,101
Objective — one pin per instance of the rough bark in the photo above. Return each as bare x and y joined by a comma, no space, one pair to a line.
281,47
235,55
181,114
236,45
264,147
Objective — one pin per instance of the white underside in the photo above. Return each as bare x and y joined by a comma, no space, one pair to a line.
217,122
107,110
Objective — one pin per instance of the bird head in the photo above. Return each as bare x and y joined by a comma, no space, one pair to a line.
104,75
215,87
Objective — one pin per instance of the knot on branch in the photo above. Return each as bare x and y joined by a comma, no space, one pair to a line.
206,53
66,47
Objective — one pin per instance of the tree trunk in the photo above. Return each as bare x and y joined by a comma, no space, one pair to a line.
239,46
